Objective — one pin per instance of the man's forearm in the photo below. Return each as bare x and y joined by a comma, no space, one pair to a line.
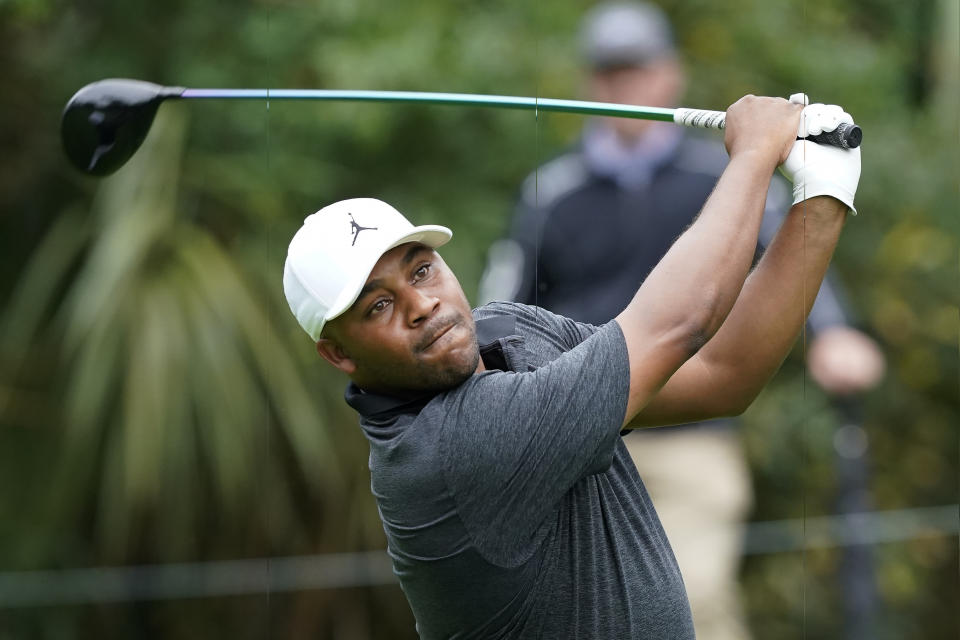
775,301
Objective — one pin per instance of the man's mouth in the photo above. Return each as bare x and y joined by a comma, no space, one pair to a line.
445,325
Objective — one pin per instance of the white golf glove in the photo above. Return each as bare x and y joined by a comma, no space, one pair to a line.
820,169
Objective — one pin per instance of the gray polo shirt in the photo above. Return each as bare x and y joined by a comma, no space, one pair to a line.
510,504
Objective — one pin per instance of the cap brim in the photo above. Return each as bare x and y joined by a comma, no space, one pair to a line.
429,234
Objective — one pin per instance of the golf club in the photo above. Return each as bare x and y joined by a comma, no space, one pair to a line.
105,122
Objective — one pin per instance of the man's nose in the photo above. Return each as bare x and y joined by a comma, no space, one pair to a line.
420,306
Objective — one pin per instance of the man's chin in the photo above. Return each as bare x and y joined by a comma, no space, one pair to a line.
424,378
455,374
446,364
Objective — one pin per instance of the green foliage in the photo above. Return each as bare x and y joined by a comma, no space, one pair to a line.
158,402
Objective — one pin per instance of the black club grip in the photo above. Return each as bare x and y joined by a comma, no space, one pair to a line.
845,136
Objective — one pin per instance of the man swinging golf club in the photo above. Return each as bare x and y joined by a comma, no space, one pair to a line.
510,505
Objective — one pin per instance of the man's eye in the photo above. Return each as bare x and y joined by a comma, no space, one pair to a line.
421,272
379,306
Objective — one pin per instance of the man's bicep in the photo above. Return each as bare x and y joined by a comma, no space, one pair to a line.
655,357
695,392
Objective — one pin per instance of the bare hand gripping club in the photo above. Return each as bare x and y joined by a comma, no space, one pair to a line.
105,122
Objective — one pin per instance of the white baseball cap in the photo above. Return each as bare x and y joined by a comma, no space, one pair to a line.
333,253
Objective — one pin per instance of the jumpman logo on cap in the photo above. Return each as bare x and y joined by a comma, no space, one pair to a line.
356,229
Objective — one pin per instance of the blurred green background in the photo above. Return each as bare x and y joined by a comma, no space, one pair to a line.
158,403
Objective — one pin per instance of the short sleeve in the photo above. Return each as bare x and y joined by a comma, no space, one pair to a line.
513,444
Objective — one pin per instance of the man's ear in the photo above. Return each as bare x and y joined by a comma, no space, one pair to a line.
335,355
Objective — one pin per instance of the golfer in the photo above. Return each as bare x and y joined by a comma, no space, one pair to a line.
510,504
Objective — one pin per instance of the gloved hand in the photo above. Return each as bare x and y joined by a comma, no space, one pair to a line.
819,169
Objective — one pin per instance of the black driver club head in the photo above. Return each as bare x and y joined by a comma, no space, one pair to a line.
105,122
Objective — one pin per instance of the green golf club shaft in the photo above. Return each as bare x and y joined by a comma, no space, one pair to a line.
846,135
466,99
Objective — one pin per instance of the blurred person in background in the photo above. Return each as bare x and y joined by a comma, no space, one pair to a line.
637,185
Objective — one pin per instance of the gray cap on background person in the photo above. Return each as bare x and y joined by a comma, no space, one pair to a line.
625,34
